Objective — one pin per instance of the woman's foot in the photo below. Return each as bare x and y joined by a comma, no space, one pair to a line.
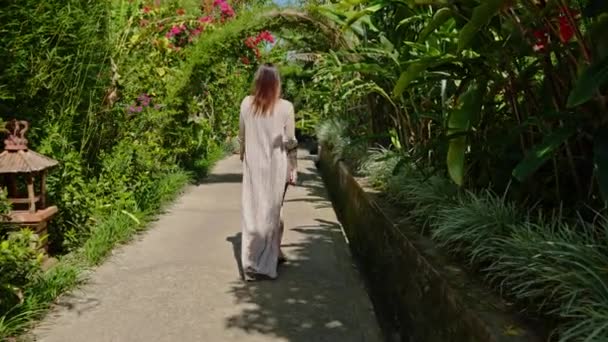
252,275
282,258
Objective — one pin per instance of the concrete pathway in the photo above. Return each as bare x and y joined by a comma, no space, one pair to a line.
180,281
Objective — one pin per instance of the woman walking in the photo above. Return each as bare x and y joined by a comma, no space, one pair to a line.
268,144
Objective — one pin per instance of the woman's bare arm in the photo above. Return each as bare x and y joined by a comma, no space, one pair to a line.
242,135
292,143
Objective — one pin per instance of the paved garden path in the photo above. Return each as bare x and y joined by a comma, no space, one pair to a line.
180,281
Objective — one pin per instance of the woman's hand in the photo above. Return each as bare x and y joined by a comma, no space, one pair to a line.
293,177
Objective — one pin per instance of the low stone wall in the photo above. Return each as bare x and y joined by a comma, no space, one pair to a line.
414,300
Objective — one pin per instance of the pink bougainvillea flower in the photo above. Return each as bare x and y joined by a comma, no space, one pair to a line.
175,30
131,109
138,109
144,99
180,11
225,8
146,9
245,60
196,32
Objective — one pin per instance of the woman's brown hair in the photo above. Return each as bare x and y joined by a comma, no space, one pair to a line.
266,89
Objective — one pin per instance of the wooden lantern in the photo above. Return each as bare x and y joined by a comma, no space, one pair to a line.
20,164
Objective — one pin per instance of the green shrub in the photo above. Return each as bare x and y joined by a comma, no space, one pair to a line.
19,264
5,205
38,295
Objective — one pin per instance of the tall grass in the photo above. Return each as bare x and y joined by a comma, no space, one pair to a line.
550,266
334,134
379,167
471,221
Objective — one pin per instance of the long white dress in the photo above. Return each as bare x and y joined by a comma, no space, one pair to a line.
265,140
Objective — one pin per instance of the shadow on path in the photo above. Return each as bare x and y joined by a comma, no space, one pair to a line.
221,178
306,302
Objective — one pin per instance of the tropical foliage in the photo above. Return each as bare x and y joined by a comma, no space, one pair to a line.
498,93
467,99
490,116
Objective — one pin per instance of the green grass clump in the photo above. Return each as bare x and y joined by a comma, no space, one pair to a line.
466,225
379,167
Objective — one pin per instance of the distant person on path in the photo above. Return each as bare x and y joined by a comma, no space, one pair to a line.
268,145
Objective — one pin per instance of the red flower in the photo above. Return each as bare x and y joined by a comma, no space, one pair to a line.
266,36
180,11
245,60
146,9
566,31
541,40
225,8
251,42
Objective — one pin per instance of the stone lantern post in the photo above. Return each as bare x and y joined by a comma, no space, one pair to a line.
23,175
